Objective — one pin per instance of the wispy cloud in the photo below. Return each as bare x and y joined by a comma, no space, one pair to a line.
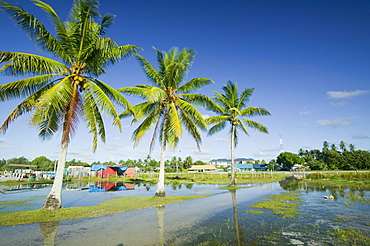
346,94
334,123
271,150
6,146
2,140
225,140
307,110
202,152
339,104
360,136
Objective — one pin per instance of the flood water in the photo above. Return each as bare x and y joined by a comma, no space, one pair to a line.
221,219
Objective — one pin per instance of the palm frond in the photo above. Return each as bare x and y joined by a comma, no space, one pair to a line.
194,85
151,74
34,29
93,119
24,64
24,87
255,125
140,131
252,111
106,22
114,95
102,96
217,128
174,123
145,91
191,126
198,100
192,113
244,97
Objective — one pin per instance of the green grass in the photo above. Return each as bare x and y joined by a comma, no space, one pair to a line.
116,205
207,178
254,211
283,204
340,219
350,236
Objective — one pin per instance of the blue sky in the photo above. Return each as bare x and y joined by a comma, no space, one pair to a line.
308,61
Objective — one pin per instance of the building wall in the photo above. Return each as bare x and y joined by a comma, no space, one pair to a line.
130,172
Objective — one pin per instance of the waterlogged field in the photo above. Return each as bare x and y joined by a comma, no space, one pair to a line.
280,213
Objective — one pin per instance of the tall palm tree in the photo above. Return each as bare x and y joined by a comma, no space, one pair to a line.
169,104
59,92
231,107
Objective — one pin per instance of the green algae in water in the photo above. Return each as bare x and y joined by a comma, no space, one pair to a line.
283,204
349,236
340,219
254,211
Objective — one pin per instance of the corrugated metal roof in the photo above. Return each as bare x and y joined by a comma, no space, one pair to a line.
229,160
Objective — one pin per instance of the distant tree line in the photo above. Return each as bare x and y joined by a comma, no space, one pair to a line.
147,164
330,157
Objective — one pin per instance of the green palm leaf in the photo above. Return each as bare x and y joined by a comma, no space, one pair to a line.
230,107
24,64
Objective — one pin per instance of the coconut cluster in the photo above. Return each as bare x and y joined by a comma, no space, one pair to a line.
80,81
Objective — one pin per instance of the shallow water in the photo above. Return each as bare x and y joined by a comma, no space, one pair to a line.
221,219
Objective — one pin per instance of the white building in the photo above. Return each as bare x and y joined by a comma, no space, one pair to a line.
222,163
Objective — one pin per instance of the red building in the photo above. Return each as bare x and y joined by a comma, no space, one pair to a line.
104,171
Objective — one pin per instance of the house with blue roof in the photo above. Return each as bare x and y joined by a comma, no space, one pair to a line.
223,163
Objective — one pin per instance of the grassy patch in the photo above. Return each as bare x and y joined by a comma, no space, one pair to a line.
284,204
116,205
350,236
13,203
340,219
254,211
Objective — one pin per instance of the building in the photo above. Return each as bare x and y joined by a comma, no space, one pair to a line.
260,167
202,168
78,171
249,167
105,171
222,163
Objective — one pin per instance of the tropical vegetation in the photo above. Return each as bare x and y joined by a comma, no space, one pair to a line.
330,157
168,103
231,107
62,91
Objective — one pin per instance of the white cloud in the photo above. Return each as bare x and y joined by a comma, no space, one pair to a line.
307,110
262,153
225,140
346,94
6,146
270,150
2,140
360,136
334,123
339,104
202,152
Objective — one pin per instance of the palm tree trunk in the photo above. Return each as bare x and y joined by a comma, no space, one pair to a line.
160,192
54,199
160,187
232,180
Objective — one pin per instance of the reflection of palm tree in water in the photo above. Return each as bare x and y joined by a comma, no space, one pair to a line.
160,215
239,240
49,232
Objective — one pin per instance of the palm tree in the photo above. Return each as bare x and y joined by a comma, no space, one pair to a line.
343,146
59,92
231,107
169,104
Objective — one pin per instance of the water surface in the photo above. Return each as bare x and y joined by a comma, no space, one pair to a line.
222,219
